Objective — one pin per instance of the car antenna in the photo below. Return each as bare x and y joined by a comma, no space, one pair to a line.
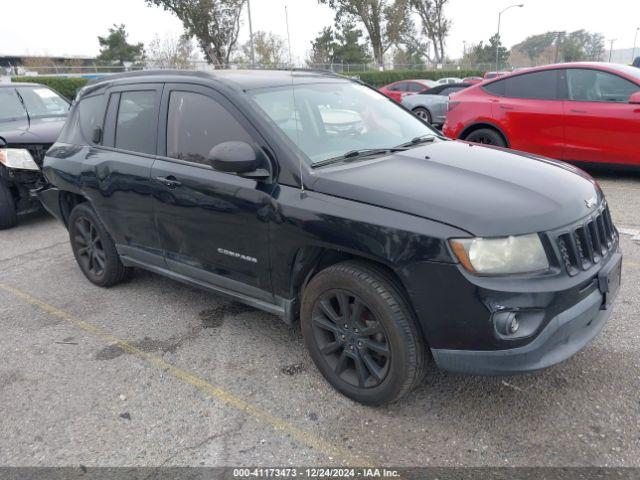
293,94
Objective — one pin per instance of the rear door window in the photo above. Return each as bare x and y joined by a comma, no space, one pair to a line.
137,122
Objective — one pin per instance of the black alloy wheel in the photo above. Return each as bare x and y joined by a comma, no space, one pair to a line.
486,136
94,248
91,254
352,341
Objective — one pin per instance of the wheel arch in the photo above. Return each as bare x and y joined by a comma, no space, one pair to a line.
309,261
68,201
484,124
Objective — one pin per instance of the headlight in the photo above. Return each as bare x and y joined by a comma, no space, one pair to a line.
501,256
17,158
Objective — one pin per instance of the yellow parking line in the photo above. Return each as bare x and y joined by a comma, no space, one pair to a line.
629,263
334,453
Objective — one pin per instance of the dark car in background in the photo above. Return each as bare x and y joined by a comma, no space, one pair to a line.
398,90
388,242
432,105
31,117
587,113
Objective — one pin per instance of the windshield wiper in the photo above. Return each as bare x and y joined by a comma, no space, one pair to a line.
362,153
25,108
428,138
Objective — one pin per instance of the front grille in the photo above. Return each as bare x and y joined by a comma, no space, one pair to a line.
37,151
588,243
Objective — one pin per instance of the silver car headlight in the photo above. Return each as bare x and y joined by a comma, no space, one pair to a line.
17,158
501,256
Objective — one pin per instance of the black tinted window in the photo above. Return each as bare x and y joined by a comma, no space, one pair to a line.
538,85
448,91
596,86
496,88
137,122
91,115
198,123
414,87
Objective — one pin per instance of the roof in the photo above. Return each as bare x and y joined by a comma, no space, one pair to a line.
21,84
243,79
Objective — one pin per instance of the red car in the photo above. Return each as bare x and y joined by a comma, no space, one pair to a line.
398,90
578,112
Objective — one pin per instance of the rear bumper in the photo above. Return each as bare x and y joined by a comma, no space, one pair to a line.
565,335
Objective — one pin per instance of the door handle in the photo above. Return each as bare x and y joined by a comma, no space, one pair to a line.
506,107
169,181
578,111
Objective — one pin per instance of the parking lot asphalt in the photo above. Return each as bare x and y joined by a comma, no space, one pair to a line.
153,372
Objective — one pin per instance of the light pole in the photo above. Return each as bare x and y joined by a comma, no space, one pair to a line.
635,41
253,53
519,5
611,48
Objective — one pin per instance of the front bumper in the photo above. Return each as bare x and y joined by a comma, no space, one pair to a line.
565,335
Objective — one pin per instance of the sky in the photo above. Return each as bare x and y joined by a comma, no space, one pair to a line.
71,27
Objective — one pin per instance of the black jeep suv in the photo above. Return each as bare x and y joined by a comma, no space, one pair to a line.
316,198
31,117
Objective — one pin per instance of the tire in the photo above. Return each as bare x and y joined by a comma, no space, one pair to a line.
8,213
486,136
94,249
424,114
376,354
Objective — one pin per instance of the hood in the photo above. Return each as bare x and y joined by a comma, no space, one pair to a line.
41,130
485,191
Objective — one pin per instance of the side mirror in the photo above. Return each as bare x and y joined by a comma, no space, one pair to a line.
635,98
96,135
240,158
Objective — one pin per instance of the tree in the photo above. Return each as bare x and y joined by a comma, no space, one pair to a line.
322,48
214,23
171,52
562,47
382,19
435,25
485,54
341,45
114,48
269,49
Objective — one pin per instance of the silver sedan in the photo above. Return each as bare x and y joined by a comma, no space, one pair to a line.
431,105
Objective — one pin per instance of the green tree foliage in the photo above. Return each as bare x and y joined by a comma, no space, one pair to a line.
383,20
114,48
340,45
485,54
214,23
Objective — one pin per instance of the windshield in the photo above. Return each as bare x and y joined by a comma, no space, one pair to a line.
331,119
43,102
10,105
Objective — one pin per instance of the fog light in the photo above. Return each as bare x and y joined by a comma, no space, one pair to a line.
506,323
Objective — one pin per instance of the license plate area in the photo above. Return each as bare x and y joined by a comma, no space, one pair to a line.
609,280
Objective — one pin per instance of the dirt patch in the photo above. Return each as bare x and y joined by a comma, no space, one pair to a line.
111,352
294,369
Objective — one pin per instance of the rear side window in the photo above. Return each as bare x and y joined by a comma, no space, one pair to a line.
90,115
448,91
536,85
196,124
136,123
595,86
